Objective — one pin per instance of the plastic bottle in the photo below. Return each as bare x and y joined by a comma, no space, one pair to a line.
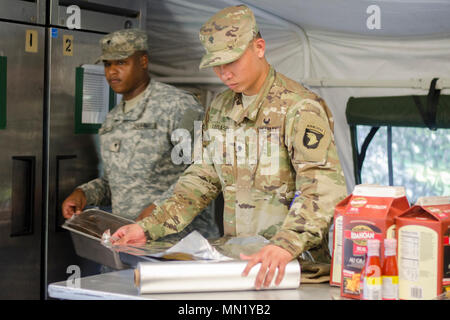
372,272
390,270
361,279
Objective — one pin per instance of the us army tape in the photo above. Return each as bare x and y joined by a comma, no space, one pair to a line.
205,276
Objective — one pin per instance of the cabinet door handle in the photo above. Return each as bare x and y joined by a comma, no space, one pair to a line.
22,197
3,91
59,220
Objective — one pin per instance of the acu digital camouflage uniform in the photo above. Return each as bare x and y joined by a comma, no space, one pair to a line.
136,146
298,127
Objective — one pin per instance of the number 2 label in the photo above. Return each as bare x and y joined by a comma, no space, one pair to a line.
68,45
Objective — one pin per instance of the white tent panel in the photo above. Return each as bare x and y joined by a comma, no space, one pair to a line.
328,39
342,56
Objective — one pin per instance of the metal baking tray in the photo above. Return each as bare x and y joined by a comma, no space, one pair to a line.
86,230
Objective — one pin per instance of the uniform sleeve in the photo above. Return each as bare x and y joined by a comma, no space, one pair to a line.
192,193
319,181
195,189
164,196
187,112
97,191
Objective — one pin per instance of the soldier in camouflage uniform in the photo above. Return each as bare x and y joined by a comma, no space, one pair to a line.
287,189
135,138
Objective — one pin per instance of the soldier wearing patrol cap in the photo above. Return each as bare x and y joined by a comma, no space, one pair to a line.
135,137
289,197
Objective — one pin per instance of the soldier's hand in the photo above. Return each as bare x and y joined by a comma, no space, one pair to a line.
271,258
129,234
146,212
74,203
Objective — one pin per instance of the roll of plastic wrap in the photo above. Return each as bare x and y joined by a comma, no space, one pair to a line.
206,276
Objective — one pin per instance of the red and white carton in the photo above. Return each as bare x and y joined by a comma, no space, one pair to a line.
424,249
368,213
336,259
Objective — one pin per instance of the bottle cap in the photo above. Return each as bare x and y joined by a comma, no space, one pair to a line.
390,247
373,247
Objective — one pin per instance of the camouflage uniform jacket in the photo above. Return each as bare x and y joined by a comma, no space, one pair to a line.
136,152
258,198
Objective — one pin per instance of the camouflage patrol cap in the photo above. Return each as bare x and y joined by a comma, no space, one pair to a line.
226,35
122,43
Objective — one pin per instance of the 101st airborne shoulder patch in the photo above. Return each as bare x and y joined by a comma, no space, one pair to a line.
312,138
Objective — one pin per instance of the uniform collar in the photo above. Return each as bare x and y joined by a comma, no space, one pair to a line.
135,113
237,111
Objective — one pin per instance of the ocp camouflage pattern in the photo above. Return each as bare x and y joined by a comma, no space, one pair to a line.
257,200
226,35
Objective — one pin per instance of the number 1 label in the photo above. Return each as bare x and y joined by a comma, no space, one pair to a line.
31,41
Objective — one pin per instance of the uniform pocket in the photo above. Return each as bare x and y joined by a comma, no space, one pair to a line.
147,147
105,147
274,169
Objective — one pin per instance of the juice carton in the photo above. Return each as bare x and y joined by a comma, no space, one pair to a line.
368,214
336,260
424,249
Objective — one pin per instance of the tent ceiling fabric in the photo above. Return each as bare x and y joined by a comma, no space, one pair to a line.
174,24
319,39
173,28
398,17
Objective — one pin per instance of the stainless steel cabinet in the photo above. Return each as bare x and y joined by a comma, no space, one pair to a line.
21,240
41,157
101,15
29,11
72,158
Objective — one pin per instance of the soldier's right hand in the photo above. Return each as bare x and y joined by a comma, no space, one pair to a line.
131,234
74,203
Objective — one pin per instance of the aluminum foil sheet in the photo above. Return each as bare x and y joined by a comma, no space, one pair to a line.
205,276
92,223
192,247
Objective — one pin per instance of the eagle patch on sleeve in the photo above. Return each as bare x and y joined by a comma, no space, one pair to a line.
312,138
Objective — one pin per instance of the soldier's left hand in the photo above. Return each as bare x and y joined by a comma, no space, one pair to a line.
271,258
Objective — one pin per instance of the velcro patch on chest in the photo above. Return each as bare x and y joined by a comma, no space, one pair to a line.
217,125
312,138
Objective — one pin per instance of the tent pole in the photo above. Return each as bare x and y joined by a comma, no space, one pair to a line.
389,155
420,83
199,80
354,141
